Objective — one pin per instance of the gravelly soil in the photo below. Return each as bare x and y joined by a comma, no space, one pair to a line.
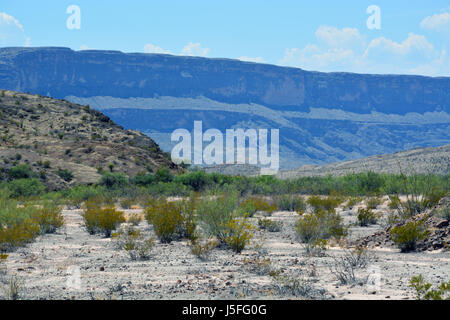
48,268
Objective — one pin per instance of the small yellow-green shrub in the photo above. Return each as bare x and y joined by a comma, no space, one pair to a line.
254,204
99,219
366,217
311,227
166,218
406,236
238,234
327,204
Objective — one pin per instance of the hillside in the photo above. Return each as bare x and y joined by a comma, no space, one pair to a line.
59,139
420,160
322,117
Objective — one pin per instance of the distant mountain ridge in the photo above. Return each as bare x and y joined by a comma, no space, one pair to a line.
322,117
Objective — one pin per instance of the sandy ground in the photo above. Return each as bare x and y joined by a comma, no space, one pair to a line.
72,264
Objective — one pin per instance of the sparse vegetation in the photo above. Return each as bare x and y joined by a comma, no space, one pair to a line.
238,233
134,242
424,291
366,217
100,219
406,236
270,225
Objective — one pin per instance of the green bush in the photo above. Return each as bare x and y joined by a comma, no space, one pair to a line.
322,224
197,180
290,202
254,204
328,203
22,171
113,180
423,290
270,225
144,179
65,174
406,236
25,188
214,214
366,217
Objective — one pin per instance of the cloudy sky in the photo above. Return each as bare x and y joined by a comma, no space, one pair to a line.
407,37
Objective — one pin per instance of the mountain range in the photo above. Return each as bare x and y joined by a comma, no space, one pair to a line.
322,117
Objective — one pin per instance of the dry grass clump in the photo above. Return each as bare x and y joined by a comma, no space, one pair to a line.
202,248
134,242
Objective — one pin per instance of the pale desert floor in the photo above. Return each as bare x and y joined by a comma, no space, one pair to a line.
48,268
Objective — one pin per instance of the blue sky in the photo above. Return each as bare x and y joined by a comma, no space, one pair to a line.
322,35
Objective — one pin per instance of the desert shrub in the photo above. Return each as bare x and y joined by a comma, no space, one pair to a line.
443,213
290,202
394,202
25,188
113,180
22,171
261,266
298,287
406,236
18,234
214,214
134,242
238,234
327,204
270,225
202,249
423,290
163,175
144,179
188,209
366,217
373,202
197,180
101,220
254,204
49,217
166,218
126,203
312,227
134,219
65,174
75,196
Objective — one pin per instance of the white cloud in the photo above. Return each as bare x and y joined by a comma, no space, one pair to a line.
413,45
150,48
335,38
346,50
437,22
12,32
85,47
250,59
195,49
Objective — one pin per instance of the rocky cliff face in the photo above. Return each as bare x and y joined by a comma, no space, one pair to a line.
322,117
